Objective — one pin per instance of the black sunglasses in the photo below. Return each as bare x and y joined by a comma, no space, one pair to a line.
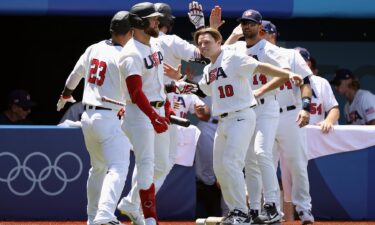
247,22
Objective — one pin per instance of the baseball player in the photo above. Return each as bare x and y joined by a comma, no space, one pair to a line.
226,80
259,167
360,106
106,143
146,121
175,49
290,142
324,110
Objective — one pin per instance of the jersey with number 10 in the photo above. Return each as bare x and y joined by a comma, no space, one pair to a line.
227,81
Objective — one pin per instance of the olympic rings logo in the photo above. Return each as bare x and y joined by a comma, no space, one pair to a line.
43,175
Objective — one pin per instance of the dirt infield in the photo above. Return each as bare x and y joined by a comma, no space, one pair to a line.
175,223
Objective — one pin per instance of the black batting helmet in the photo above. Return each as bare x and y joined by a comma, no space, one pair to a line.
120,23
142,11
167,18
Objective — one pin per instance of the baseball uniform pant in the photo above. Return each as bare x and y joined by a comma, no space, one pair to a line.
291,146
259,167
230,149
151,151
172,156
109,149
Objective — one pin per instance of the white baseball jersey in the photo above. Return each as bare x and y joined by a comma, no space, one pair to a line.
264,52
176,49
182,104
362,109
290,94
183,139
227,81
322,99
147,61
108,147
98,65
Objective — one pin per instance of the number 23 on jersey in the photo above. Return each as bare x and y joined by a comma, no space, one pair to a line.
97,72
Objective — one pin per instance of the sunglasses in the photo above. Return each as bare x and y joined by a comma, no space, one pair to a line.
246,22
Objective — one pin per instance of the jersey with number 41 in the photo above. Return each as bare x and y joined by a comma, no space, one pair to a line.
98,65
227,81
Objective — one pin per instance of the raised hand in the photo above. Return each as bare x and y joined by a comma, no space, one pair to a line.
215,18
196,15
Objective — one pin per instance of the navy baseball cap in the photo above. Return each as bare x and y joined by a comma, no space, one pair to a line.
269,27
21,98
251,15
304,53
341,74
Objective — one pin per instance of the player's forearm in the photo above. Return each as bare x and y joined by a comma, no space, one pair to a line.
233,38
134,84
269,69
333,115
273,84
306,91
73,81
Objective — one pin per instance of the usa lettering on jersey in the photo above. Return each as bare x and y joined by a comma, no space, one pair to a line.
369,110
354,116
215,74
153,60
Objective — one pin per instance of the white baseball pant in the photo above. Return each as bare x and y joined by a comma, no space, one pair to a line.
259,167
151,150
291,146
230,149
109,149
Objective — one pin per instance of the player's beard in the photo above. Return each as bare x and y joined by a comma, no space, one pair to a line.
248,34
152,32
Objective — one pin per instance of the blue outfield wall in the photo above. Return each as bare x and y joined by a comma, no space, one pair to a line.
43,173
269,8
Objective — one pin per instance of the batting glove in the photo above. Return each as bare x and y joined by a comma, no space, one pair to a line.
63,100
159,123
196,15
183,87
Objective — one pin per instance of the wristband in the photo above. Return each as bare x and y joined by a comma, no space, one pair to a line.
306,102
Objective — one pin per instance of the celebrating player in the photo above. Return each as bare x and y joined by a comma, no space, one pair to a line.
324,110
290,146
259,167
226,80
146,121
105,141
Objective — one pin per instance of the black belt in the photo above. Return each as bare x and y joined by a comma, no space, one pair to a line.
226,114
288,108
262,100
96,107
157,104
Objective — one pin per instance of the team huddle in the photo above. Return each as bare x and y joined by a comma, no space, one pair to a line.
258,91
